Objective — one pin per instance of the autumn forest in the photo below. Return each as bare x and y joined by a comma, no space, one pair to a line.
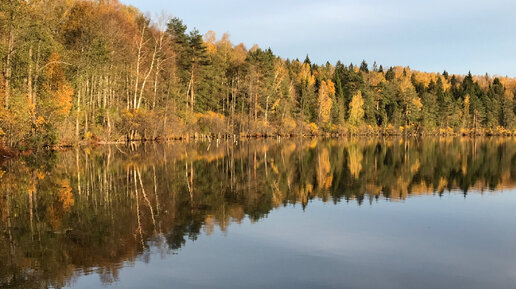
78,72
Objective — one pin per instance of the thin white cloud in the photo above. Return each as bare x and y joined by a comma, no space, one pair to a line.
427,34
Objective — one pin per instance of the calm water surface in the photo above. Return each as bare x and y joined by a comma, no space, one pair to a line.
296,213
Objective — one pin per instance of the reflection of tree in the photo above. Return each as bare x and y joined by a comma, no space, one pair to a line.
355,160
324,178
99,208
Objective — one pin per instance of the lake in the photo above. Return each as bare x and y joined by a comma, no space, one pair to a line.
271,213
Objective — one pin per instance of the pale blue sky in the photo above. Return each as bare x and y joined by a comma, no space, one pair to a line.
432,35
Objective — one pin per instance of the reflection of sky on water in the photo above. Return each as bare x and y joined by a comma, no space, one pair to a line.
423,242
127,216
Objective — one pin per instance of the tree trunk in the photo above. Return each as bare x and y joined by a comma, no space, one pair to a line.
77,116
10,47
35,89
255,106
188,98
29,89
192,91
233,102
158,66
138,60
147,75
266,108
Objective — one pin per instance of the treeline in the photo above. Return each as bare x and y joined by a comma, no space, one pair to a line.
76,71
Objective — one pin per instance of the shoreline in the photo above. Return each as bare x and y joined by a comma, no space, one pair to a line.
7,153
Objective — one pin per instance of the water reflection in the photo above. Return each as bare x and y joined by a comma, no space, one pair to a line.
66,214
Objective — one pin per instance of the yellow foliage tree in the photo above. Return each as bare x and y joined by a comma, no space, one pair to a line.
209,40
405,84
326,90
356,109
58,88
305,76
465,112
375,78
446,83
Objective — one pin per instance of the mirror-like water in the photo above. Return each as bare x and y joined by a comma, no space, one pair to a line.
294,213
